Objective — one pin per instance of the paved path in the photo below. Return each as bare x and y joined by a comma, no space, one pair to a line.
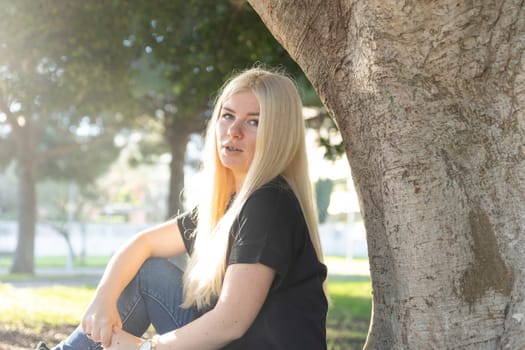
91,276
348,267
50,276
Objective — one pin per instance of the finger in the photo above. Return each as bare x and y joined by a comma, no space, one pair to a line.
84,326
87,331
95,334
87,325
105,336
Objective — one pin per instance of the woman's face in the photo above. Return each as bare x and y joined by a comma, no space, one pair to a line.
236,132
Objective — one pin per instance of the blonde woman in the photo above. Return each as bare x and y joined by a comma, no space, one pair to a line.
255,275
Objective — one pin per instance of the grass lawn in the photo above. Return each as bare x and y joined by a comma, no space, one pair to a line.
42,306
349,313
30,314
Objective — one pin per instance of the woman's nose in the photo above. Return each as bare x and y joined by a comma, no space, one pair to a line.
235,130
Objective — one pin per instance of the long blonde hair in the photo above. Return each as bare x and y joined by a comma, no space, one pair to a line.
280,150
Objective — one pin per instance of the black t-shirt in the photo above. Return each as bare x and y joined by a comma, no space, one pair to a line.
271,230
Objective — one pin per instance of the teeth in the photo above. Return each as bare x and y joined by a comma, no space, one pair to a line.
229,148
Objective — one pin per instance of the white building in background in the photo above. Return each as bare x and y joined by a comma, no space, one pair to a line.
343,233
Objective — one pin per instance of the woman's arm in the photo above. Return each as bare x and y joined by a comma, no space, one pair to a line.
244,291
101,315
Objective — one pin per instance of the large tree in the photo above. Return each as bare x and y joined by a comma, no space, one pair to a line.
430,100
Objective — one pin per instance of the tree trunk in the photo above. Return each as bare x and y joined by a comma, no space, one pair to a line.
429,97
23,261
177,133
176,196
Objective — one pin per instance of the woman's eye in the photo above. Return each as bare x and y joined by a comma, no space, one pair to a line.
253,122
227,116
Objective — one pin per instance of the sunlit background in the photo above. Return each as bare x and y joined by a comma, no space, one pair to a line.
102,110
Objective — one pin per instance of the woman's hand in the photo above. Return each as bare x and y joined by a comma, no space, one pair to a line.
101,315
123,340
99,320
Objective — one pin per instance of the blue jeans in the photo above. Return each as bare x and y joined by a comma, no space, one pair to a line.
152,297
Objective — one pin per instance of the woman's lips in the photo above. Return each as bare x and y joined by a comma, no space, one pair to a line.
230,148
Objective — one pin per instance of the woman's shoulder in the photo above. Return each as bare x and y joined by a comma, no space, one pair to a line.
276,194
278,187
277,184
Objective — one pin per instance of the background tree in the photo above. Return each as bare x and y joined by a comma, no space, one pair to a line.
189,49
60,74
429,97
64,75
323,191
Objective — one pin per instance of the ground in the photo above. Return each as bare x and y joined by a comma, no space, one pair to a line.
347,325
28,338
23,338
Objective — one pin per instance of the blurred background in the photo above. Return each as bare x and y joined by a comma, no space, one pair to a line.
103,105
102,109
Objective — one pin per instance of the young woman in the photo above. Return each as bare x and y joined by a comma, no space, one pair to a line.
255,275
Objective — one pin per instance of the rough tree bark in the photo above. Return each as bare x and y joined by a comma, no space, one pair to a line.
430,99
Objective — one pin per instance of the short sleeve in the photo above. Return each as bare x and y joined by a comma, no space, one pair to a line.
187,222
268,230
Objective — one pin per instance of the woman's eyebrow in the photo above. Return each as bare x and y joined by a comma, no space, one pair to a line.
233,111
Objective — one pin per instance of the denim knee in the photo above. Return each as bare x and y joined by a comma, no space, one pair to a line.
155,268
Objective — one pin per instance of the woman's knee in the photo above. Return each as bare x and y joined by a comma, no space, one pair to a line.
159,269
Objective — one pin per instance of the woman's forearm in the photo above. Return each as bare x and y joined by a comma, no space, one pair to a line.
211,331
163,240
122,267
101,316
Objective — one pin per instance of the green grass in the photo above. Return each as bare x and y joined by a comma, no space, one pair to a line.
40,307
349,313
351,295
